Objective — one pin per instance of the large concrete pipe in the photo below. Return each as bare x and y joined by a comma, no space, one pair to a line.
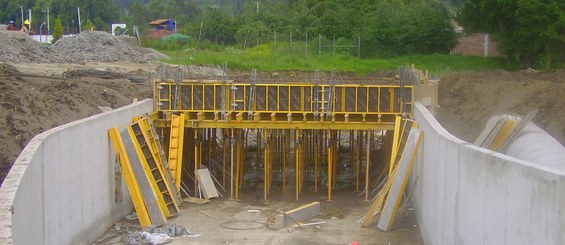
535,145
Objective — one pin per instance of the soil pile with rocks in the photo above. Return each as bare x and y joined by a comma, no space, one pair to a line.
89,46
18,47
96,46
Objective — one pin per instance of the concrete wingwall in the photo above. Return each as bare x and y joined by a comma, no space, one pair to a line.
61,189
464,194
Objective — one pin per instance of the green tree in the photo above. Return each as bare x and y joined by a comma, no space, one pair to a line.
529,32
57,30
89,26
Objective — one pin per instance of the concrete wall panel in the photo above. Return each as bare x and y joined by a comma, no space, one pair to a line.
464,194
61,189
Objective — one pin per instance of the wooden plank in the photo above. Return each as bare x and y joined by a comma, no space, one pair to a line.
288,218
400,179
378,202
206,183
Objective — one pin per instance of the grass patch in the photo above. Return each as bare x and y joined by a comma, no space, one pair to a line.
264,57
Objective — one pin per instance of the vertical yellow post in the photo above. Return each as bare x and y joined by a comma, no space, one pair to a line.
367,163
231,168
284,159
296,162
358,156
266,166
330,177
237,164
224,150
316,145
195,159
395,140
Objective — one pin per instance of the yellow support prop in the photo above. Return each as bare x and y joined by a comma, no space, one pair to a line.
176,147
131,182
395,141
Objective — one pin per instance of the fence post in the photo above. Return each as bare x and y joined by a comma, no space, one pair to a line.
333,47
359,47
306,49
319,44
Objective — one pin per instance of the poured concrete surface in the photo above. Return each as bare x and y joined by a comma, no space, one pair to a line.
231,218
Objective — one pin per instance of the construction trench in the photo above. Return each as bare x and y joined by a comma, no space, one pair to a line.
280,137
284,162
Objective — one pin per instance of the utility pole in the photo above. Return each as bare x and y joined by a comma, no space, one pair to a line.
78,11
47,11
258,7
29,13
22,13
48,30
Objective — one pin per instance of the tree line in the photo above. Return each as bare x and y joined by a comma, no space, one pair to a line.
532,33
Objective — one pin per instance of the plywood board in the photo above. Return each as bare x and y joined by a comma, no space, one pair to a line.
206,184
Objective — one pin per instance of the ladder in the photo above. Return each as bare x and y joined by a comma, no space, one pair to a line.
153,167
175,148
155,143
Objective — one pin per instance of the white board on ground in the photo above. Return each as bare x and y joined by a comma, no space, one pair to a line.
400,179
206,184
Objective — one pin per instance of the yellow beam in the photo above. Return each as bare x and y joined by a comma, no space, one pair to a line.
131,181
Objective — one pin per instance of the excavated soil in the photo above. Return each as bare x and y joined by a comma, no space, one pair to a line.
88,46
468,100
31,104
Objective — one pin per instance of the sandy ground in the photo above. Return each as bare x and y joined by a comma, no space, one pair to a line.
223,221
468,100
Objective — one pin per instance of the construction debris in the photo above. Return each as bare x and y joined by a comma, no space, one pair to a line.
206,184
196,200
288,218
158,235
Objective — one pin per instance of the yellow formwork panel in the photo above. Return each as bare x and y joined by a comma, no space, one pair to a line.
149,136
175,147
145,165
131,182
505,132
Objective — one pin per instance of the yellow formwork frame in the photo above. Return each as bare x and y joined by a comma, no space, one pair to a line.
506,130
159,196
131,181
149,136
176,145
405,181
395,142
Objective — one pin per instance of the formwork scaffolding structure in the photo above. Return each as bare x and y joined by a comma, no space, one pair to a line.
294,135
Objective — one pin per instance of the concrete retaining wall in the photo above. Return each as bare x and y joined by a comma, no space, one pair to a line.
468,195
61,189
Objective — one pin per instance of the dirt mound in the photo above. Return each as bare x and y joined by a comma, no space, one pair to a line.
468,100
32,104
96,46
18,47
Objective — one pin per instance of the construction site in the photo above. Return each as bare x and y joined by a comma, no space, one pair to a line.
102,143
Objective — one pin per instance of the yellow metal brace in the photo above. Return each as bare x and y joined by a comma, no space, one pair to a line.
134,133
129,177
175,148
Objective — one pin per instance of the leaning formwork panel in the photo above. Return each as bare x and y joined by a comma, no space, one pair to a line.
143,197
